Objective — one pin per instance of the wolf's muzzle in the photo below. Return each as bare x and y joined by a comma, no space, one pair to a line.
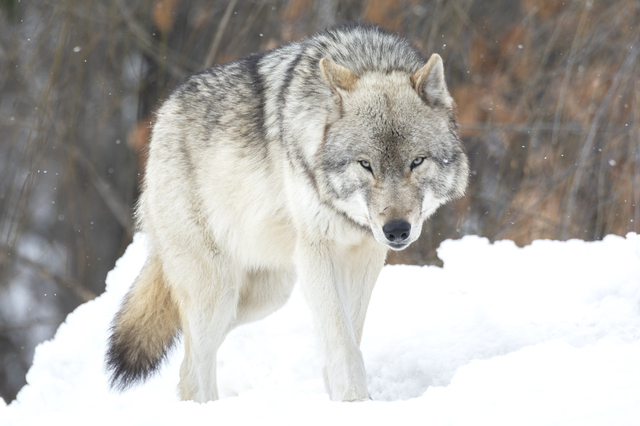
397,231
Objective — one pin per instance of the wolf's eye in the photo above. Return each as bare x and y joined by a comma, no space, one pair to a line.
366,165
415,163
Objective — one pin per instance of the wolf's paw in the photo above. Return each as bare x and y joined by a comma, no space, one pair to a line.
352,395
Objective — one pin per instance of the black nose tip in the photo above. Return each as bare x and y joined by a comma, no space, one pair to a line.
396,230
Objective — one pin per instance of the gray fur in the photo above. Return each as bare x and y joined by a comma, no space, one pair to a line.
287,165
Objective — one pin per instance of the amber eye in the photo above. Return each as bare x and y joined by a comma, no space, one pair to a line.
366,165
417,162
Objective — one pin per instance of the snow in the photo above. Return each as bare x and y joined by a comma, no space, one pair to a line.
548,334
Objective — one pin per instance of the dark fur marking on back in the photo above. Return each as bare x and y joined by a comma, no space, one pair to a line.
286,82
257,114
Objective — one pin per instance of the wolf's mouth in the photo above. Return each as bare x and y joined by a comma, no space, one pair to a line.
398,246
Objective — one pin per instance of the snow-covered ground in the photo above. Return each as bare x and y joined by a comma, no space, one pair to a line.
548,334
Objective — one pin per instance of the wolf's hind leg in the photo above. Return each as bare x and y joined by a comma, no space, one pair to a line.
207,317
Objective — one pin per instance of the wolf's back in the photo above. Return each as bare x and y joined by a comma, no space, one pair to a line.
143,330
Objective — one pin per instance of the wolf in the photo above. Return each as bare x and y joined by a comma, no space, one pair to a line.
304,163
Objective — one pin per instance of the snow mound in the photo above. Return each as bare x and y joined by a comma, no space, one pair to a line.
545,334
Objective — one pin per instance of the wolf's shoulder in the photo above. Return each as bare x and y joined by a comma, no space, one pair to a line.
360,47
365,48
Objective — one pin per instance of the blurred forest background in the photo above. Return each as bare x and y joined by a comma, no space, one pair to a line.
548,94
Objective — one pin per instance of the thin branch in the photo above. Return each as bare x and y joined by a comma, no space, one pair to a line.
213,51
77,288
542,126
567,72
150,47
118,208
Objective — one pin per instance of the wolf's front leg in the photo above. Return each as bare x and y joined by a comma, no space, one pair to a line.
322,278
364,265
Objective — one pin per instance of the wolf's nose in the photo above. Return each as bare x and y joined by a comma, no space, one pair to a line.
396,230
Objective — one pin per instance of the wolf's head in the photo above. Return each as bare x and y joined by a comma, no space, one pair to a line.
391,154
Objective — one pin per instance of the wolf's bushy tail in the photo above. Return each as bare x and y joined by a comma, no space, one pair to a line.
143,330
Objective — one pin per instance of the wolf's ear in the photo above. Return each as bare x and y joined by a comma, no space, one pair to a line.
430,84
337,76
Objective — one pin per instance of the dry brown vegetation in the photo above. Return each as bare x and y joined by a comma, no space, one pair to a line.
548,98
